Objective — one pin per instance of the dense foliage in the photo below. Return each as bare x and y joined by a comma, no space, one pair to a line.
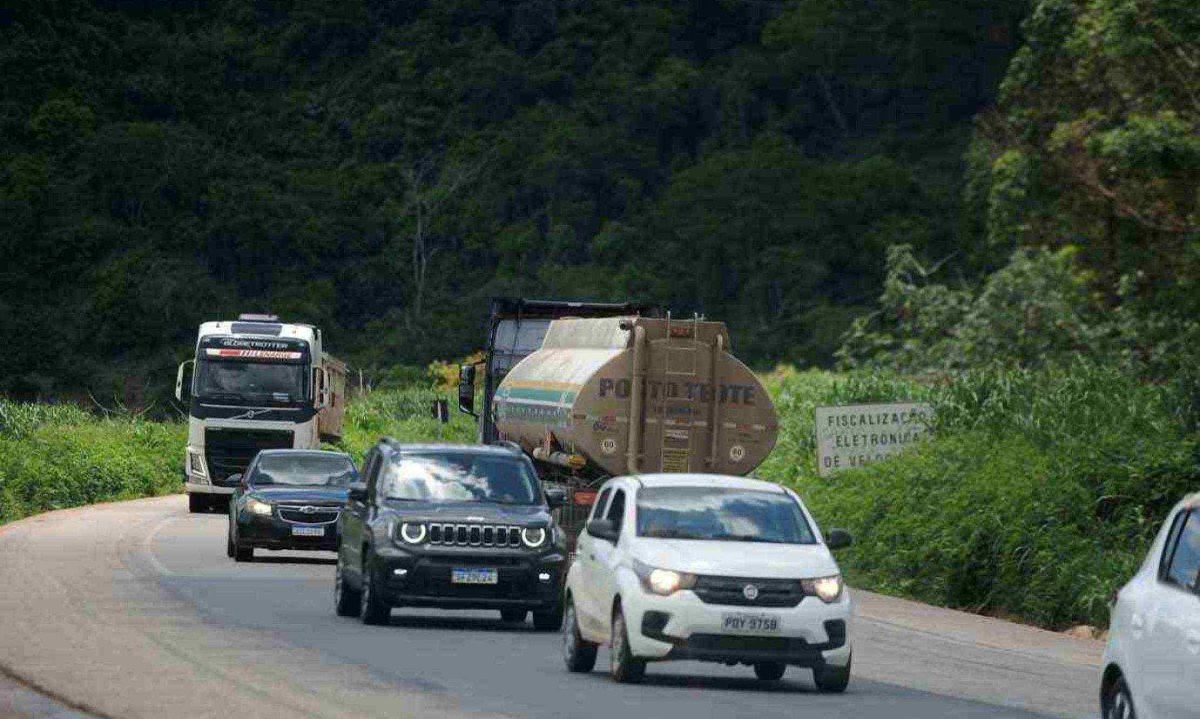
1037,498
382,168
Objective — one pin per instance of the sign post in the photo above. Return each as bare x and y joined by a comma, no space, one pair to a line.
440,410
855,435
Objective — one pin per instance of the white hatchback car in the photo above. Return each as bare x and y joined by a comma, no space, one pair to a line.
1152,661
709,568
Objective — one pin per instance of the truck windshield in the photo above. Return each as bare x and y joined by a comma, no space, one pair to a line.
459,477
721,514
251,380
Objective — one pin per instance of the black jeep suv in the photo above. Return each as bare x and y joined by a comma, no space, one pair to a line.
450,526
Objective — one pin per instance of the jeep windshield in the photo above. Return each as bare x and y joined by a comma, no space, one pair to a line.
460,477
256,381
715,513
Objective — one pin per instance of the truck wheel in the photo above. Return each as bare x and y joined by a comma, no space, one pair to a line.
622,665
550,621
347,601
218,503
770,671
513,616
578,653
832,680
374,610
197,504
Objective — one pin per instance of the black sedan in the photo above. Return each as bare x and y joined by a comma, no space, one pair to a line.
289,499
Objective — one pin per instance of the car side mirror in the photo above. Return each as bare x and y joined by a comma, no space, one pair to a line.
238,479
556,497
466,389
838,539
358,492
604,529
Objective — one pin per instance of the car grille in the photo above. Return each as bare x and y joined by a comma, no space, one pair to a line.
474,535
296,514
229,451
731,591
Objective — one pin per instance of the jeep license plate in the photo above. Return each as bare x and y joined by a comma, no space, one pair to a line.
308,531
474,576
740,623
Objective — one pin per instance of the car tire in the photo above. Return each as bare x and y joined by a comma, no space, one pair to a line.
550,621
832,680
1117,702
513,616
230,549
622,665
373,609
241,552
770,671
578,653
197,503
347,600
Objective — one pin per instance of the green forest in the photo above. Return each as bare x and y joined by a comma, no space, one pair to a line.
928,185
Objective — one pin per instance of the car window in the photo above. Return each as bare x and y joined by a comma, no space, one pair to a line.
1184,567
616,509
303,469
598,507
718,513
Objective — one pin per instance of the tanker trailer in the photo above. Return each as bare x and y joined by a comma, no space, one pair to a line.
634,395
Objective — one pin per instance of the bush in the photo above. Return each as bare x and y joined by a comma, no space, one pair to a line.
1038,496
405,414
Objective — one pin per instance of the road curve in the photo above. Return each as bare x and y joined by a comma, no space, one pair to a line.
133,610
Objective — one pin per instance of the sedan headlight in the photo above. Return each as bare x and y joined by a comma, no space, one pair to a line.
259,507
534,537
828,589
663,582
411,532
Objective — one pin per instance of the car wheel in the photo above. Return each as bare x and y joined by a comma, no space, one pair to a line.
373,610
831,679
197,503
622,665
230,549
347,601
578,653
770,671
513,616
241,553
1117,703
550,621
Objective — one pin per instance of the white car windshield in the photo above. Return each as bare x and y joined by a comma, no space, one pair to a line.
721,514
460,477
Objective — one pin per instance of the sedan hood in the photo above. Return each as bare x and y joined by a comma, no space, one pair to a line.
325,496
737,559
472,512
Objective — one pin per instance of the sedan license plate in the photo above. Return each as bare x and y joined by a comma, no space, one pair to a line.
308,531
474,576
740,623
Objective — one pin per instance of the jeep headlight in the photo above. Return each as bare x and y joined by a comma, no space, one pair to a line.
534,537
411,532
827,589
259,507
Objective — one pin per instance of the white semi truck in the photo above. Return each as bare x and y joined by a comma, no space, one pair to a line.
257,383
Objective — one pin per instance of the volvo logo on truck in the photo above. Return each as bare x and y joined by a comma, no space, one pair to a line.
256,383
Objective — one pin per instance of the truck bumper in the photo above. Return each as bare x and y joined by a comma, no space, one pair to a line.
206,488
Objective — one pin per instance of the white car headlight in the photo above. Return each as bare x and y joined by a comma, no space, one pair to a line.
827,589
412,533
664,582
259,507
533,537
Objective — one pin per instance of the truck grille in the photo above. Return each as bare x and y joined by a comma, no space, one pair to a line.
731,591
229,451
296,514
474,535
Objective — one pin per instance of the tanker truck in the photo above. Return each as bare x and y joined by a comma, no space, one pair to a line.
631,395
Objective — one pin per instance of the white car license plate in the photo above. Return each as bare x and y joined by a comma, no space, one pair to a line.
474,576
308,531
740,623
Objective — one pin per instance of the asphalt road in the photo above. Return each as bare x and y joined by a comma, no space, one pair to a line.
133,610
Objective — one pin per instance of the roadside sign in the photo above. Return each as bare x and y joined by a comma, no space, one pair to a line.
853,435
440,410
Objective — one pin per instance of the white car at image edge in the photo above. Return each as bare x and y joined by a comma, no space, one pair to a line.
1152,661
709,568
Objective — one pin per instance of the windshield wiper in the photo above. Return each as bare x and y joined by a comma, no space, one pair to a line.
745,538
